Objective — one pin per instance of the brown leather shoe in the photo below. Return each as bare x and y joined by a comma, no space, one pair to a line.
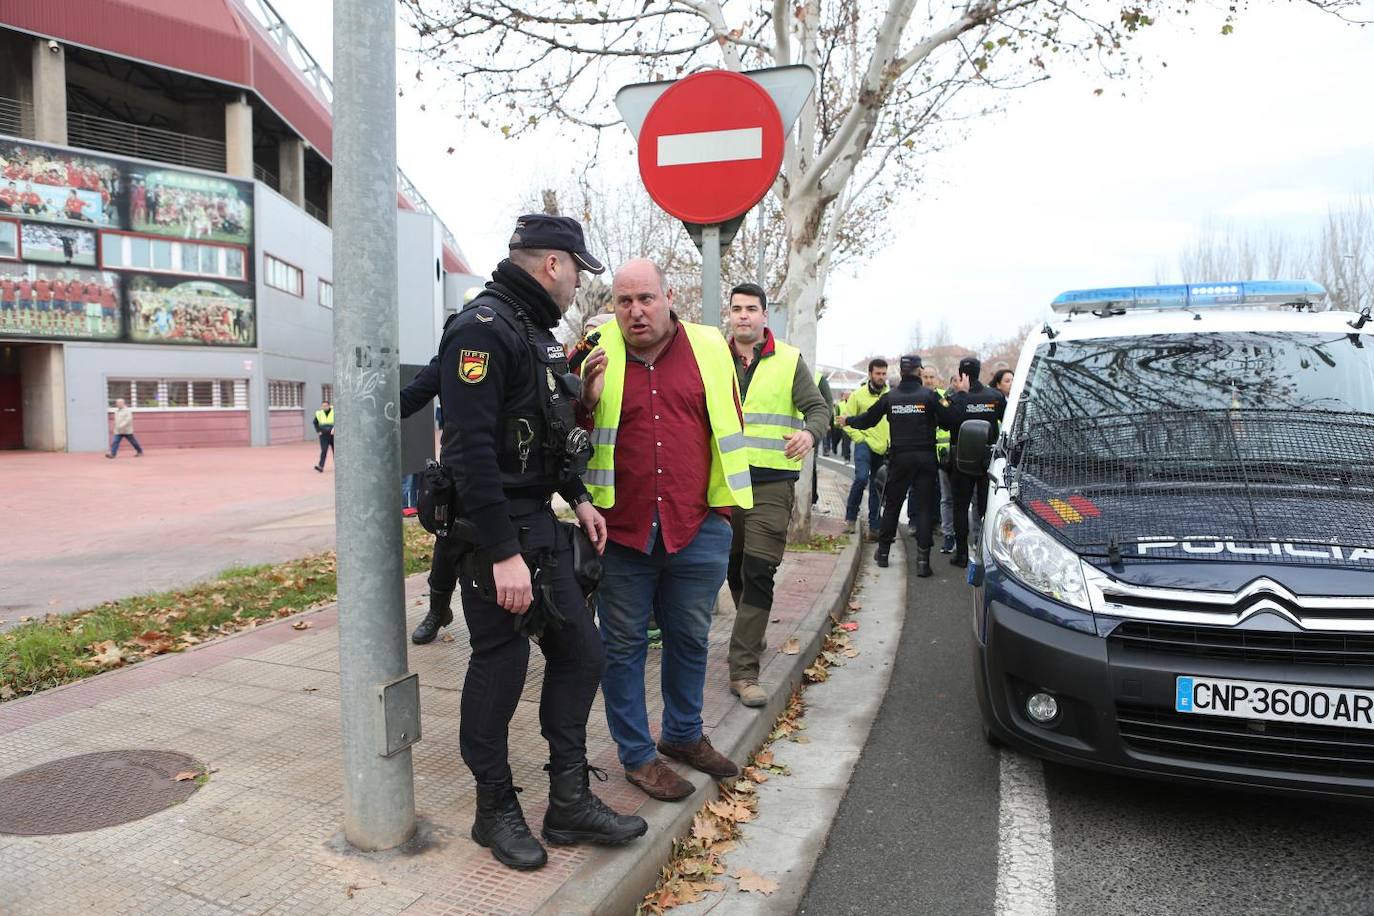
701,756
657,780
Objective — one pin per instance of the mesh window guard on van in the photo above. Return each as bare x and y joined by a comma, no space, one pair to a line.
1223,484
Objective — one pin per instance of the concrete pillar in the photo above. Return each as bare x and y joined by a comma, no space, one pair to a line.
49,92
238,138
291,170
44,386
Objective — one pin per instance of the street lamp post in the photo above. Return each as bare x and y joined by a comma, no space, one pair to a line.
379,702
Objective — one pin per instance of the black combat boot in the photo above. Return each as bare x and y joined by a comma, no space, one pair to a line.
575,815
880,555
960,557
440,615
501,827
923,562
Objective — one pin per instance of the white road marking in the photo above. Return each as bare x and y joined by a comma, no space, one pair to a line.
1025,848
710,146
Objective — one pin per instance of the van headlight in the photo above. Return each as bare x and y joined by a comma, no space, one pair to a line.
1035,558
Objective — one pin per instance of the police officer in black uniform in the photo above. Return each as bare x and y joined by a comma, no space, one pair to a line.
913,412
971,401
443,567
510,446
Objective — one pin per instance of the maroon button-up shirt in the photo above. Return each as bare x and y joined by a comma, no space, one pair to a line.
662,451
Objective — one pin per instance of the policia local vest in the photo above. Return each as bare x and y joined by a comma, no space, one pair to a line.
324,419
728,484
769,413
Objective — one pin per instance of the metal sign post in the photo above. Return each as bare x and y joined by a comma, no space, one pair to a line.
379,702
710,274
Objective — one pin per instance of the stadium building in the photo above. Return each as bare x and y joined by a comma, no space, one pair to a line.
164,227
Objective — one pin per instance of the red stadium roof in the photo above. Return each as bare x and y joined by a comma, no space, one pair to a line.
214,39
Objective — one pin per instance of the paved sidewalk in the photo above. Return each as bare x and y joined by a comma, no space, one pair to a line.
80,529
262,836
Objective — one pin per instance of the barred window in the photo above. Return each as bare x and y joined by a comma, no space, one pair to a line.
179,394
327,393
285,395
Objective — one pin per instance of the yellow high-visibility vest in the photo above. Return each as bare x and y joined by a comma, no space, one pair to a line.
325,417
728,484
769,413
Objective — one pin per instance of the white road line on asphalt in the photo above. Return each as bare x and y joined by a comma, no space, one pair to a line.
710,146
1025,848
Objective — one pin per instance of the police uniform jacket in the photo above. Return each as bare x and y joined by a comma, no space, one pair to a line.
914,414
496,361
978,403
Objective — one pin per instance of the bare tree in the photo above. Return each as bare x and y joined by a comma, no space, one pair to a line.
897,78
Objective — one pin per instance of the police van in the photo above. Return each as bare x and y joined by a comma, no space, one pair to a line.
1175,574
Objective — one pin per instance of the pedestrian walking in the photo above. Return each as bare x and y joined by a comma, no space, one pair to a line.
123,429
324,428
785,416
668,466
511,446
914,413
972,400
822,386
870,446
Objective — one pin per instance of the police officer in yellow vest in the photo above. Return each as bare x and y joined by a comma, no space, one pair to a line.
668,464
324,428
785,416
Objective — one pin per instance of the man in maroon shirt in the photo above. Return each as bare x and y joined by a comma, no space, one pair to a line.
665,403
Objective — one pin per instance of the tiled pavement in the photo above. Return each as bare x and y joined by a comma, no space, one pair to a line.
263,835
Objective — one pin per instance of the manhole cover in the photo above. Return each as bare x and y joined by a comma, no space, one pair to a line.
92,791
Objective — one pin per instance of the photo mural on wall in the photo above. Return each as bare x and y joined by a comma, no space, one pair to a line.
61,212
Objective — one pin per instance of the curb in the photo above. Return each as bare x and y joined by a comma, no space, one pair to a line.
619,884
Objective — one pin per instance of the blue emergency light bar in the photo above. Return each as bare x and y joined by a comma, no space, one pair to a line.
1120,299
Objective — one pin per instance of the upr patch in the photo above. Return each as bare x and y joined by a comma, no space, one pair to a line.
472,365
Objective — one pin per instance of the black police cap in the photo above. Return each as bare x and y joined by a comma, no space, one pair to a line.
560,233
970,366
910,363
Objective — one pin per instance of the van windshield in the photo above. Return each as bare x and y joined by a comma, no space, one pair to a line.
1238,437
1118,376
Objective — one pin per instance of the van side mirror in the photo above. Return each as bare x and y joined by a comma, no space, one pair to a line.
974,452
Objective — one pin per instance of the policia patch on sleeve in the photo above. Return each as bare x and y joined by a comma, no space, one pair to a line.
472,365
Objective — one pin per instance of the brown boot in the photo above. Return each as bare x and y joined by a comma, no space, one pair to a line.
701,756
749,692
658,781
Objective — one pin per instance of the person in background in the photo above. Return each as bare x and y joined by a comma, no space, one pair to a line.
785,416
870,447
123,429
324,428
943,457
1001,380
971,400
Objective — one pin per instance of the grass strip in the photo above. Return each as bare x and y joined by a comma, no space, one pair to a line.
58,649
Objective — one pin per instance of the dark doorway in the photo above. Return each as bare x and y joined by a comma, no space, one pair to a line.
11,407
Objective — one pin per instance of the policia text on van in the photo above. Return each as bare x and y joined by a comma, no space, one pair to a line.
1175,573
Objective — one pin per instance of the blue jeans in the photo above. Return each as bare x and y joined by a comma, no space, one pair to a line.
681,588
114,445
866,465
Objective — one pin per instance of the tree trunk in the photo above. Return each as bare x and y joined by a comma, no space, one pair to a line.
802,298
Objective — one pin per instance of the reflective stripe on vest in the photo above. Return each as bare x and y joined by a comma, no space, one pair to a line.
769,413
728,484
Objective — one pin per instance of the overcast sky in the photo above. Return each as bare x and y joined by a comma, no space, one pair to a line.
1264,128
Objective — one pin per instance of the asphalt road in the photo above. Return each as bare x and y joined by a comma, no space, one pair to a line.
919,831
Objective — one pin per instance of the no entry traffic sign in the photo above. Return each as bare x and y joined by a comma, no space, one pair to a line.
711,147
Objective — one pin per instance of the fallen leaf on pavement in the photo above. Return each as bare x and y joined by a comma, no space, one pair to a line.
799,739
763,758
851,626
447,637
758,776
744,785
816,674
185,775
855,606
153,642
721,808
851,652
301,625
752,882
791,647
7,692
703,828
